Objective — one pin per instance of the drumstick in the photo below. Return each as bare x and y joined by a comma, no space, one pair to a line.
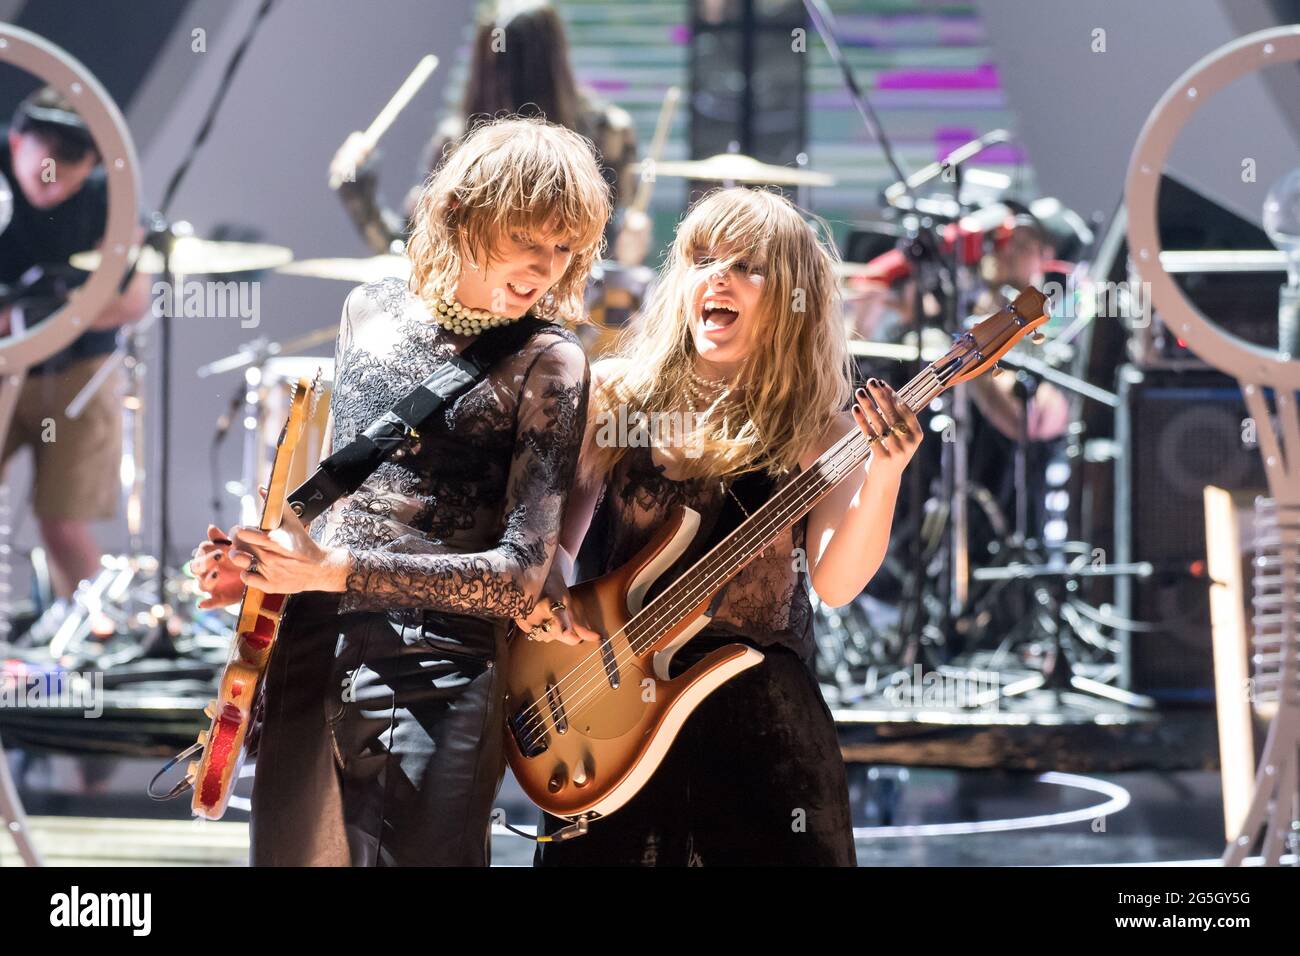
646,186
405,93
393,108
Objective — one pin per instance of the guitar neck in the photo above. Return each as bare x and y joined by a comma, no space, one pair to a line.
974,351
783,509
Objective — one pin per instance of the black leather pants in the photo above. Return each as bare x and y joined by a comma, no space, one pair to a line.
381,743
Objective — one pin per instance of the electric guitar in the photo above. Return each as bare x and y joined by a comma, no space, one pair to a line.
213,775
587,725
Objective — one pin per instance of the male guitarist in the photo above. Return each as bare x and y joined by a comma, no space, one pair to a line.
382,741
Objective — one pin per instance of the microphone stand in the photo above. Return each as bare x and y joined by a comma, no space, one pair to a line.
917,247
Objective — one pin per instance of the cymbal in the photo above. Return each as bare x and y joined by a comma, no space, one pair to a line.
370,269
194,256
738,168
935,344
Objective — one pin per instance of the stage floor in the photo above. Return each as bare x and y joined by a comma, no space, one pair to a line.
93,812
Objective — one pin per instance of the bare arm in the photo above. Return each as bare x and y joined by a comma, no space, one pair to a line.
584,497
848,530
128,307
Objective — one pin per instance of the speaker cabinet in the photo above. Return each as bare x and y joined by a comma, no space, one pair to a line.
1180,431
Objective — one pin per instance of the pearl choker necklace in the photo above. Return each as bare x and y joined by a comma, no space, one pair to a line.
708,392
463,320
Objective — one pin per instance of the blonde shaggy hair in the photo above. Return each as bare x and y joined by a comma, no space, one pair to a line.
511,175
796,378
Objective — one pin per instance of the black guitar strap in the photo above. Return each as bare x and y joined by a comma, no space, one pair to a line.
343,472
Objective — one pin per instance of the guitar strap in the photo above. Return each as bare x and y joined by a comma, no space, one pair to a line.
746,494
344,471
752,488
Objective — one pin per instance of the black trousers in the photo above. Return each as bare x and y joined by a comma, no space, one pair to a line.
381,741
755,778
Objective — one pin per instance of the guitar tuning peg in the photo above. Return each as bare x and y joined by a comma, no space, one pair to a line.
210,710
192,772
1038,338
203,738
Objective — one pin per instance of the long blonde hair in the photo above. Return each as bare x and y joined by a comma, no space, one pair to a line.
796,377
511,175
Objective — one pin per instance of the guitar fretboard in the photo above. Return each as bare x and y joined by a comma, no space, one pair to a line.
780,511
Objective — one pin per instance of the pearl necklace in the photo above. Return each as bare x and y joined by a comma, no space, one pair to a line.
463,320
707,391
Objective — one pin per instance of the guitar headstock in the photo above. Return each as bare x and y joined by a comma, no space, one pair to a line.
301,408
978,349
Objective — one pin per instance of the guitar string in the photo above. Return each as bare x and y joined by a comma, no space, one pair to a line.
916,394
597,677
654,613
651,617
938,380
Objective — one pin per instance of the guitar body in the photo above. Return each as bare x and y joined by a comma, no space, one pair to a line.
215,773
588,750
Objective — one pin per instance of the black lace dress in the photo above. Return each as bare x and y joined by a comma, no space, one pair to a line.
382,736
756,776
766,604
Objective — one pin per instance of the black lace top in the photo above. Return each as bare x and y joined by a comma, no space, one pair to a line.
467,524
767,602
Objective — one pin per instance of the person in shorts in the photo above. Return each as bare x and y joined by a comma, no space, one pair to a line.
60,207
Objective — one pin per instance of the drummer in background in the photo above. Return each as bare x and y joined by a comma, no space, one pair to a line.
60,207
522,70
880,306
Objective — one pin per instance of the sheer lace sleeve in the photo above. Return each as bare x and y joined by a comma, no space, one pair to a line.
505,580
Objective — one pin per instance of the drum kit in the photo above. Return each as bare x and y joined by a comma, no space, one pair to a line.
975,582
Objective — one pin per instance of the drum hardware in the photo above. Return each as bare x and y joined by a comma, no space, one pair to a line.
966,617
1053,613
120,597
267,374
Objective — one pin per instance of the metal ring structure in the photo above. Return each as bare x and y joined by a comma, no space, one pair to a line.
1218,347
57,68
